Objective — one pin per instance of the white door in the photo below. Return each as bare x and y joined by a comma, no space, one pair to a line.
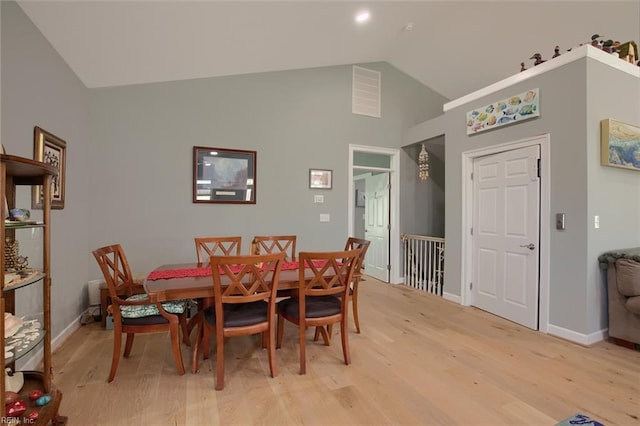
377,226
506,227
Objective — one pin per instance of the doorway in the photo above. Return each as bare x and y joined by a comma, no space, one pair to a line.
364,163
470,208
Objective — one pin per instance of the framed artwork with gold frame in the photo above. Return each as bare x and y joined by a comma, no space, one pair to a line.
50,149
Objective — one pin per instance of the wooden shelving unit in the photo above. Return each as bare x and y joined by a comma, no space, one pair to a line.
18,171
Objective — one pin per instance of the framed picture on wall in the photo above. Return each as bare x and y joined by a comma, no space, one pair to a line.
51,150
359,198
620,144
320,179
224,175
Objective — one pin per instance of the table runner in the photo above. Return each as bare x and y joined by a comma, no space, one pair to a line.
206,271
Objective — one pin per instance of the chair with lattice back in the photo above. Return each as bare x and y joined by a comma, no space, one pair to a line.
322,298
245,291
275,243
132,313
217,246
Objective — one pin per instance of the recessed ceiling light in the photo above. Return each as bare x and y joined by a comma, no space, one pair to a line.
362,17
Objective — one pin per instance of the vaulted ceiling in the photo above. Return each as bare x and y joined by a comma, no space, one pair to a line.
453,47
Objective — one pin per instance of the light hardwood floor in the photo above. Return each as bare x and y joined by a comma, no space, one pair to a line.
420,360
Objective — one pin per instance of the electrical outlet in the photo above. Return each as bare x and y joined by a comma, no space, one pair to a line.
325,217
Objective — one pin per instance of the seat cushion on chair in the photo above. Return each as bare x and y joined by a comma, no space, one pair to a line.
139,311
149,320
239,314
322,306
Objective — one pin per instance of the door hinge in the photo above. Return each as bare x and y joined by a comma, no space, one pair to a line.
471,231
470,286
388,267
539,163
471,175
389,226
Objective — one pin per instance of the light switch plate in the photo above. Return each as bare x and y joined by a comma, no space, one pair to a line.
318,199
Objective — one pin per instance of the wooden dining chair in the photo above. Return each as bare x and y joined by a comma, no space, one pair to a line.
132,313
322,299
363,245
205,248
217,246
245,290
275,243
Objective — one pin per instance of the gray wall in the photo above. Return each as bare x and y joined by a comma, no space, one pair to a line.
141,180
574,98
613,193
39,89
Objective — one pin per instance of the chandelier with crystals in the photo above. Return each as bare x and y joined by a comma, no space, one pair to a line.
423,164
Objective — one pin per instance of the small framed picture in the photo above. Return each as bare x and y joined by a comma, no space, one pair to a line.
320,179
51,150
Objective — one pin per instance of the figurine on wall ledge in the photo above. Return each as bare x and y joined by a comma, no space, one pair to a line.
522,67
538,58
556,52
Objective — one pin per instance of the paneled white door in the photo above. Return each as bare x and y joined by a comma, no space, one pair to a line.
377,226
506,229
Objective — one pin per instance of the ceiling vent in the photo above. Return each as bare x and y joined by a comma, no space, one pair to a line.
366,92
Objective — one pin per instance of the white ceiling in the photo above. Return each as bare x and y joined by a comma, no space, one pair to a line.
455,47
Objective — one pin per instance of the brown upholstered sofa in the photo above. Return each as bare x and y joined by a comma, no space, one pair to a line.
623,282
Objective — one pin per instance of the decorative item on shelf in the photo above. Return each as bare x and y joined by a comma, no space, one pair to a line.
628,51
522,67
14,380
596,41
538,59
12,260
20,214
556,52
423,164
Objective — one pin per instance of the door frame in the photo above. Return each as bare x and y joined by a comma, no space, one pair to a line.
394,202
545,219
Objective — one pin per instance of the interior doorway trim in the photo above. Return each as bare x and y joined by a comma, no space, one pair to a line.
545,219
394,202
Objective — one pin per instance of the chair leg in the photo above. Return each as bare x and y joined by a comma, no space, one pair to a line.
183,326
354,299
219,361
326,334
128,344
271,347
196,347
345,340
175,347
302,333
280,331
117,344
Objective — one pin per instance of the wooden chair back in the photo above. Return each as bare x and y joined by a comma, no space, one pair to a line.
116,271
363,245
275,243
245,279
217,246
331,273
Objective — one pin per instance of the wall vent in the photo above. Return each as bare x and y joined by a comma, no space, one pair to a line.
366,92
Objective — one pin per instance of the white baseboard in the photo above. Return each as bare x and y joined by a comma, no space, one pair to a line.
452,297
36,360
579,338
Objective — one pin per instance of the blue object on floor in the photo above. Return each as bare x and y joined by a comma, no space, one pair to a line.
579,419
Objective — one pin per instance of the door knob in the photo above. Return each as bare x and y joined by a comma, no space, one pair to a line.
530,246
